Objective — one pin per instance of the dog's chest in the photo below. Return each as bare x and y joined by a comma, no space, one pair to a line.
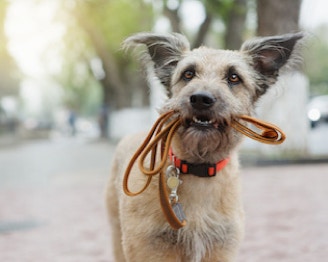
198,238
209,225
211,233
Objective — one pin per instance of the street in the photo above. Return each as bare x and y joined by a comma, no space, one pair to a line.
52,206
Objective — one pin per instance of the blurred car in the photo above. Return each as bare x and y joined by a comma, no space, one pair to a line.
317,110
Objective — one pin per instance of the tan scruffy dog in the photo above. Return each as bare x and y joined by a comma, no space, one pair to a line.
207,87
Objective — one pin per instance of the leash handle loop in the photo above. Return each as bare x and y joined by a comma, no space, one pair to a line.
271,134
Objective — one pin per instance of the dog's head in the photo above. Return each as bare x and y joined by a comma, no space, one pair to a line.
209,87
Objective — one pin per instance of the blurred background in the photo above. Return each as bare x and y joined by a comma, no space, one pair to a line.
68,93
63,72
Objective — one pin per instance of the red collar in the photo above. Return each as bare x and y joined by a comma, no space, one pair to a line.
200,170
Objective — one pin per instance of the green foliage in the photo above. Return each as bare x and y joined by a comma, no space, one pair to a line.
316,62
115,19
81,91
219,8
9,73
95,30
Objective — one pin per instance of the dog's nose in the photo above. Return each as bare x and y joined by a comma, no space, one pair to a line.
202,100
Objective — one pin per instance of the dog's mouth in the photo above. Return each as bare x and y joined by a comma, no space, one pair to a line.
205,122
202,122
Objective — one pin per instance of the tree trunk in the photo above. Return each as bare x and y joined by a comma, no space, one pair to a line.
173,16
203,30
277,17
285,103
9,85
235,25
111,83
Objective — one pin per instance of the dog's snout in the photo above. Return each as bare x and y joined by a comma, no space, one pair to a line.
202,100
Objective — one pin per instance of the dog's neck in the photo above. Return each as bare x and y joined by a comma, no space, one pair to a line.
186,153
194,153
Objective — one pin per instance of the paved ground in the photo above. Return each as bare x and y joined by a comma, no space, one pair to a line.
52,208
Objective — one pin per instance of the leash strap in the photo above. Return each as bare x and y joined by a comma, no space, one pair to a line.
271,134
160,136
150,145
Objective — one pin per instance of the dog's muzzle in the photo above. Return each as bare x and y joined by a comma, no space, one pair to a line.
201,113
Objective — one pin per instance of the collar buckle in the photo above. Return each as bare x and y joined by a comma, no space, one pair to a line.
201,170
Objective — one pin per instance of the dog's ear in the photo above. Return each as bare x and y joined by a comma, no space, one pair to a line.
164,50
269,54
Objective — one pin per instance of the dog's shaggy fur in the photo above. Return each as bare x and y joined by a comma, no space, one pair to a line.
208,88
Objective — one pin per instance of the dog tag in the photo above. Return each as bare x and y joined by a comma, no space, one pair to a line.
177,209
173,182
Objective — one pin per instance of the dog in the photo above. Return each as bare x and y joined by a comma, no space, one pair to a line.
208,88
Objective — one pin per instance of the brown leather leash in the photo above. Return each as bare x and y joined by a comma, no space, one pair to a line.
271,134
160,137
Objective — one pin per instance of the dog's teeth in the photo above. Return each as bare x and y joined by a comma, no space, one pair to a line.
205,122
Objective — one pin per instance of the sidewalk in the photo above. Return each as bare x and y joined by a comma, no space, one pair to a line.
52,206
286,213
8,140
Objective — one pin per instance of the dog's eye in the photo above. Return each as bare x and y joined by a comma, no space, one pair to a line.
234,79
188,75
